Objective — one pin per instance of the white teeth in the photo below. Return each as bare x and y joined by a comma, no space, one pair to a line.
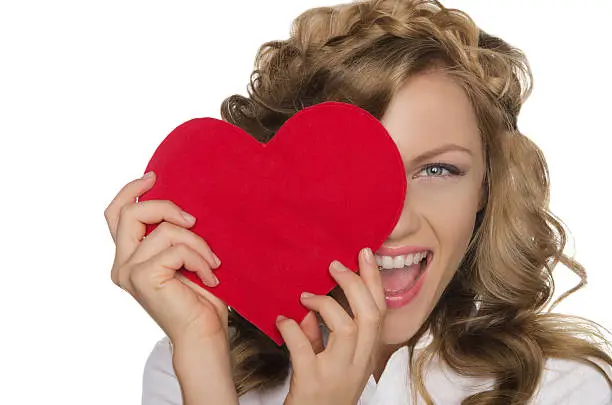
397,262
417,258
410,258
420,256
387,262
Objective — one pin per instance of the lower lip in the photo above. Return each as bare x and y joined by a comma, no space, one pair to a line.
403,298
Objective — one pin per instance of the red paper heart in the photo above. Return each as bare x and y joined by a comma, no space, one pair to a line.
330,182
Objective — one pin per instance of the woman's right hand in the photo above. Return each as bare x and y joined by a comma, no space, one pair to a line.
146,267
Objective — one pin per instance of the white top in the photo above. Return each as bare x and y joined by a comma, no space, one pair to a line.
563,383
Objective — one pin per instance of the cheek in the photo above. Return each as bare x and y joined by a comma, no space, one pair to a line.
449,207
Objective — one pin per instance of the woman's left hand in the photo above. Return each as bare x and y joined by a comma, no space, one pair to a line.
337,374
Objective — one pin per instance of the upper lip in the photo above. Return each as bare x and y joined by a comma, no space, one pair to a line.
399,251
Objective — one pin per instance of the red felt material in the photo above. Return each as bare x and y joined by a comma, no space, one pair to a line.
330,182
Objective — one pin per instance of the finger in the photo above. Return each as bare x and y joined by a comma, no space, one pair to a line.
312,330
343,337
157,270
128,194
131,228
167,234
366,312
372,279
300,349
134,218
154,285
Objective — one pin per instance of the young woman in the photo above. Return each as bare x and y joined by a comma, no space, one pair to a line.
452,311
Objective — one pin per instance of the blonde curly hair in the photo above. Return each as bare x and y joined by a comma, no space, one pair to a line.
362,53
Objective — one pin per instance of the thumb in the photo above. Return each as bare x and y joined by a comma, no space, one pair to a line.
310,327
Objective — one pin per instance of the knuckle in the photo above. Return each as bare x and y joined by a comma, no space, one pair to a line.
327,303
181,249
119,278
371,318
169,205
138,275
166,228
185,254
126,210
302,347
115,279
347,329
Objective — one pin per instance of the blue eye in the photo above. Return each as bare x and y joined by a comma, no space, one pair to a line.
440,170
435,170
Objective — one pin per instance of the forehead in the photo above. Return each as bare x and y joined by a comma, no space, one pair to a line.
431,109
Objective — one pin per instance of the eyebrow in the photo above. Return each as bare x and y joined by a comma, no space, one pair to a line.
439,150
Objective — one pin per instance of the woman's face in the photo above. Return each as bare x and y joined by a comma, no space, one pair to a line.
433,124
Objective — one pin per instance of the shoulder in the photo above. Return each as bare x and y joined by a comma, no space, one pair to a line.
161,387
568,382
563,382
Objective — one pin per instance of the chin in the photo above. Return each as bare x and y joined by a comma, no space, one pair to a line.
399,326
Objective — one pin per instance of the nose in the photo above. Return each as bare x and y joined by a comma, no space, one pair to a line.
408,224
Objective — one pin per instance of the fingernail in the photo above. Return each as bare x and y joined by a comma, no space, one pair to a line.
211,281
217,260
188,217
306,295
337,266
280,318
368,256
148,175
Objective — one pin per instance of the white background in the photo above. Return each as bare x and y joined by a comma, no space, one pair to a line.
89,89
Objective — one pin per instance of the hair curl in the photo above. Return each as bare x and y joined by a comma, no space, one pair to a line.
362,53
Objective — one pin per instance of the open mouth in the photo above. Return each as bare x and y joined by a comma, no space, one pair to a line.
411,274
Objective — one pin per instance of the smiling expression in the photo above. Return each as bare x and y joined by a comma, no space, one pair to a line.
435,129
